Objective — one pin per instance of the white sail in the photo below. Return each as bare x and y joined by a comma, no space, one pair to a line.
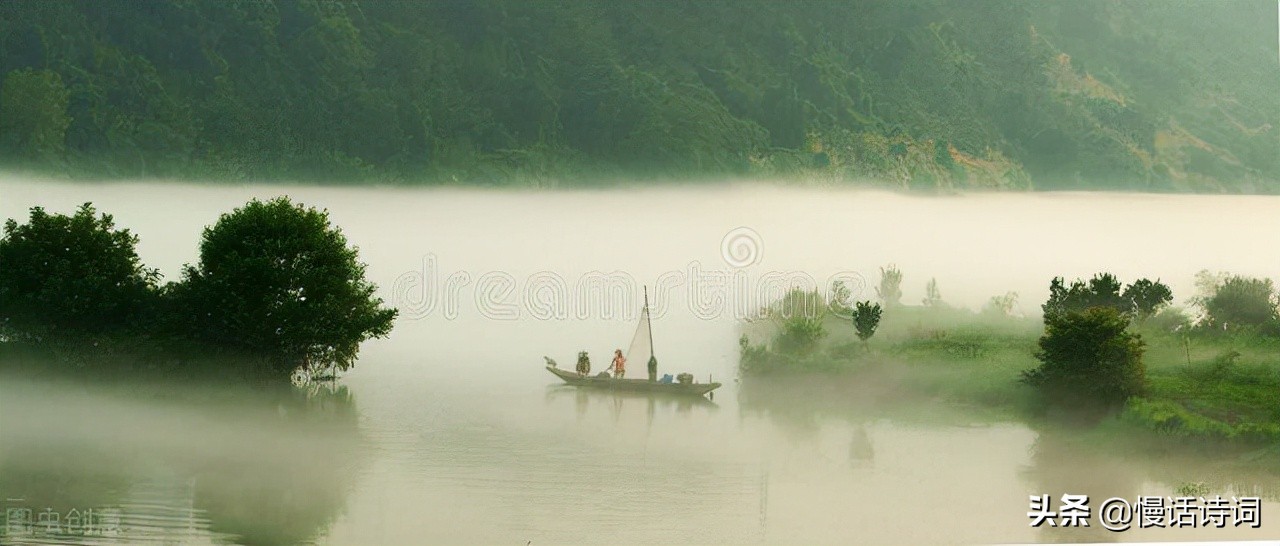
642,344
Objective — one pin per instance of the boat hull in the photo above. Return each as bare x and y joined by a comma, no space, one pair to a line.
633,385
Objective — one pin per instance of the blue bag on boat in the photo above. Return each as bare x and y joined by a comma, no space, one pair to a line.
666,378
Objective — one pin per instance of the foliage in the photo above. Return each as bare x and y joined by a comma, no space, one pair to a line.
1240,301
71,278
798,302
1141,299
1219,399
841,299
1103,290
1169,319
799,314
932,296
1002,305
919,93
800,334
1147,296
33,114
866,317
890,289
1088,357
276,279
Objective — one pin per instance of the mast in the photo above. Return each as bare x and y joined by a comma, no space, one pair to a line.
647,320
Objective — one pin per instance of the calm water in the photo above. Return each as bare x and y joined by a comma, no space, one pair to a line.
451,432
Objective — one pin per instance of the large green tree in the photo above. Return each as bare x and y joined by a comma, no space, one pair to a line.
1241,301
72,278
276,280
1089,358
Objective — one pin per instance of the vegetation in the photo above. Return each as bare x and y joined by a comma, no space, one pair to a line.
866,317
1240,302
276,289
275,278
800,314
1165,377
890,289
1142,298
1088,358
71,279
932,296
1002,305
1141,94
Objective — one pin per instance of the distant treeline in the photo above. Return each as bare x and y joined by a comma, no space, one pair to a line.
1138,94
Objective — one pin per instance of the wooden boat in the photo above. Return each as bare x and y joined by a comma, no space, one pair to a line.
640,353
633,385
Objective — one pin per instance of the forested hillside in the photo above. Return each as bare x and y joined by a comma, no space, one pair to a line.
1136,94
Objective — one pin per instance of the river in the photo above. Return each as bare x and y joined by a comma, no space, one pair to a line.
450,431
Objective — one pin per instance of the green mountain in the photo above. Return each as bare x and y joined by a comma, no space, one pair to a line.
1158,95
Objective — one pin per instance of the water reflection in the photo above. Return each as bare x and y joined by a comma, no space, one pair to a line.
860,449
615,401
1060,465
237,466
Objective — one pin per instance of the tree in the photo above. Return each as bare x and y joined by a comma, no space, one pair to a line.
1002,305
1088,357
932,296
890,290
1241,301
866,317
1103,290
33,114
276,280
1146,296
70,278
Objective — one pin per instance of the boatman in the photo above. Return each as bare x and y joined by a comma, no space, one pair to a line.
653,368
619,365
584,364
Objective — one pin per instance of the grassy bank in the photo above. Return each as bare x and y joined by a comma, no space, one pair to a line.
1201,385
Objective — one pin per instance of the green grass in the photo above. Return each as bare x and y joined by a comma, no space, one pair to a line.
1211,386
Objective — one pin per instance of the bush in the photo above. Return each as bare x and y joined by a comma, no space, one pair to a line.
800,334
866,317
1089,358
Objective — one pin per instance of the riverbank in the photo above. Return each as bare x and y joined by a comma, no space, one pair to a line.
1215,387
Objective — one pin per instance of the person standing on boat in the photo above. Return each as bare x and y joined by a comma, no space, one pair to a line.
619,365
584,364
653,368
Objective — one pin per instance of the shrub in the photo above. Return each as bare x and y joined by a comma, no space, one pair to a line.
1089,357
866,317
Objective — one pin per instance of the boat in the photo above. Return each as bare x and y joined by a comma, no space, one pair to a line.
640,351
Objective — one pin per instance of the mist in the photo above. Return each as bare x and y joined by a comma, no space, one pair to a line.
449,431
